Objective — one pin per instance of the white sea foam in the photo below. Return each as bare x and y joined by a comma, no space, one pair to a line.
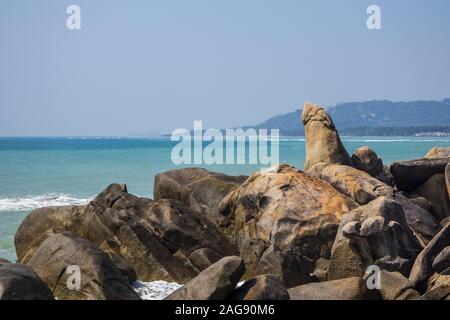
28,203
155,290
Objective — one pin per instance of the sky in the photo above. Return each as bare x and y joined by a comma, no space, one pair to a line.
137,67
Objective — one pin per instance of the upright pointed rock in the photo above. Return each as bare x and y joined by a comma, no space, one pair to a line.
323,145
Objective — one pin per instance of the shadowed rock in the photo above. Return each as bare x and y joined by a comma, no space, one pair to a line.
323,145
409,175
20,282
214,283
283,220
422,269
200,189
263,287
435,191
156,238
374,234
447,179
99,278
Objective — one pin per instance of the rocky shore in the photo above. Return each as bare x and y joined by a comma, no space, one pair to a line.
283,232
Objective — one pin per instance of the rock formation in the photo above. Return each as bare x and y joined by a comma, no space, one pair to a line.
323,145
282,221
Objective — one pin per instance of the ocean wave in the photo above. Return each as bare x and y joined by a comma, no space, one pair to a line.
28,203
155,290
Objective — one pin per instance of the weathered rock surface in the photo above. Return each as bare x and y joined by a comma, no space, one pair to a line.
422,269
199,189
438,152
376,233
214,283
156,238
410,174
100,279
435,191
323,145
420,221
439,289
353,288
20,282
394,286
283,220
365,159
262,287
356,184
442,260
321,271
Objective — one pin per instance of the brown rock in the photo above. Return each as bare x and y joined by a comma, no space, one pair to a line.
353,288
394,286
100,279
263,287
422,269
356,184
156,238
442,260
293,216
447,179
200,189
20,282
439,289
435,191
409,175
323,145
214,283
376,233
437,152
365,159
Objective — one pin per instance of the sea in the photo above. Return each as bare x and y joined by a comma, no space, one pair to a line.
41,172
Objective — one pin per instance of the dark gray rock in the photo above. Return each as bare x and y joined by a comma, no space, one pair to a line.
411,174
435,191
422,269
262,287
214,283
100,279
442,260
20,282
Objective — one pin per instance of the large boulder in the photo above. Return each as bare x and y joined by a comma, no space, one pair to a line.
353,288
439,289
214,283
374,234
420,221
161,240
423,269
356,184
442,261
20,282
435,191
198,188
283,220
395,286
365,159
99,277
323,145
410,174
262,287
438,152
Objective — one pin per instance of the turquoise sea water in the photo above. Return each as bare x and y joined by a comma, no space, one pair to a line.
37,172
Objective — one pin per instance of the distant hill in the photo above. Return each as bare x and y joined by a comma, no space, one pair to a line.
377,117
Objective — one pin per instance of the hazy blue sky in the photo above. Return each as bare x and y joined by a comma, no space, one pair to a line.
142,66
